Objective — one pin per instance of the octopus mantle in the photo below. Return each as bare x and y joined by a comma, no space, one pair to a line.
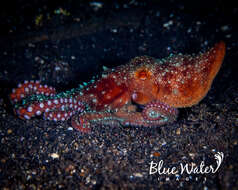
144,92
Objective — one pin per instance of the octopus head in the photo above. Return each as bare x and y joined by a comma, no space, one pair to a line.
143,86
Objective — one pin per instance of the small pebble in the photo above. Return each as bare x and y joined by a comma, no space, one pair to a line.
156,154
9,131
54,155
192,155
138,175
225,28
178,131
70,128
114,30
168,24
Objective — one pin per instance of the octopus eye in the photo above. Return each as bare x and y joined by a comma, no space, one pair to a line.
154,114
158,111
143,74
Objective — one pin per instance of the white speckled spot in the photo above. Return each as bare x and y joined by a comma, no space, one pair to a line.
29,109
49,102
38,112
41,105
26,117
26,89
134,96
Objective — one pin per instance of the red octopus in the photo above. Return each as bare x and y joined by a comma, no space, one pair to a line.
144,92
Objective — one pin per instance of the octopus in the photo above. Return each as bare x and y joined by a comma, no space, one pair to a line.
144,92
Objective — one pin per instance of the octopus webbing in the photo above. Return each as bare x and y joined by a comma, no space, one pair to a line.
144,92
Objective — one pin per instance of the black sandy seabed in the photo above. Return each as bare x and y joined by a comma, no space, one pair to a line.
67,42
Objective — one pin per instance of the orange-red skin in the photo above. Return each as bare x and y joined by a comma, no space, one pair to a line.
179,81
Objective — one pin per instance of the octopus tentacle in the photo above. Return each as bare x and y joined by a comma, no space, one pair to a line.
57,109
66,109
84,121
29,88
138,119
33,99
154,114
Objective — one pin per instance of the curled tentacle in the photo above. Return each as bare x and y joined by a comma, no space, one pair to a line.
84,121
33,99
29,88
153,114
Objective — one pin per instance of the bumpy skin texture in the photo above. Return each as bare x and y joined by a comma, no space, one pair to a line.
159,86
